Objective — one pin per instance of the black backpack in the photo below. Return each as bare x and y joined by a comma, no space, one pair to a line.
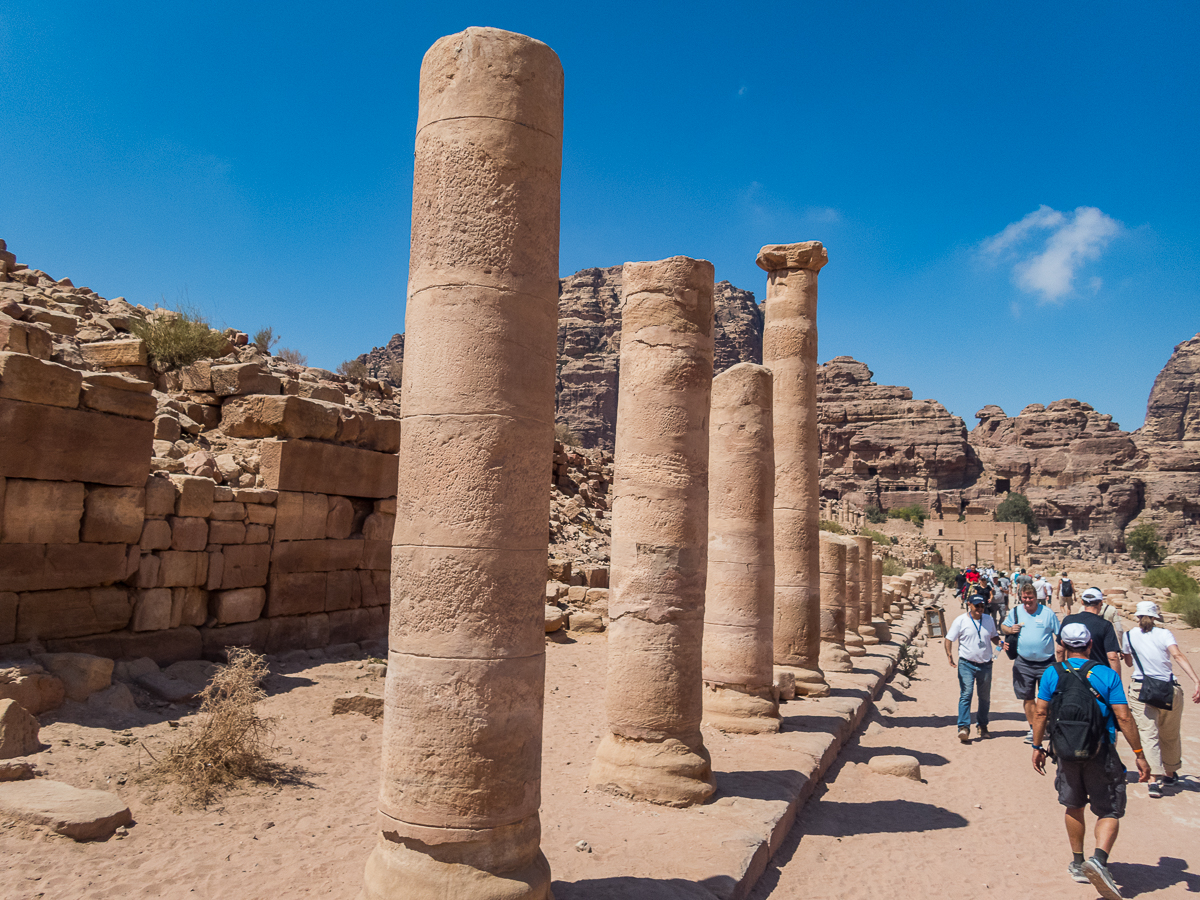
1067,588
1078,729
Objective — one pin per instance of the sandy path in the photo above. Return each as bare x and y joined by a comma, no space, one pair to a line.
983,824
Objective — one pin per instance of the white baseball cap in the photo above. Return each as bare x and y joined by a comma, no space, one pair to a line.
1075,635
1092,596
1149,608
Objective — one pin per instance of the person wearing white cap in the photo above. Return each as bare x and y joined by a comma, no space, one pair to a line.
1090,772
1150,651
1106,649
975,634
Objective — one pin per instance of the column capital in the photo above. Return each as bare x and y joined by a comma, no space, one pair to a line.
805,255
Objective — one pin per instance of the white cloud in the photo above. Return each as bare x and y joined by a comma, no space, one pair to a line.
1048,265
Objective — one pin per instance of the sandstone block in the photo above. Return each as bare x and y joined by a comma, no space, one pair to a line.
32,687
42,512
258,514
170,688
179,568
379,526
193,495
42,615
376,588
117,402
555,618
166,428
244,634
246,566
34,567
296,593
340,521
156,535
596,576
164,647
38,381
118,381
151,610
55,444
81,673
257,534
241,605
555,591
197,376
577,595
82,815
596,599
376,555
160,496
298,633
58,322
298,465
364,704
282,416
343,590
18,731
255,495
299,516
24,337
113,701
189,606
111,354
226,532
8,617
586,622
243,378
230,511
147,573
114,515
349,625
901,765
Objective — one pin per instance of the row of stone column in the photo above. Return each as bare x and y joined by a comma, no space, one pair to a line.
715,497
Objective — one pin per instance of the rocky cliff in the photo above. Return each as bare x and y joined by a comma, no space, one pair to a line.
1173,410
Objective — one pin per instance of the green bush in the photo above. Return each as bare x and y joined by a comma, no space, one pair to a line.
876,516
1143,545
880,539
913,513
945,574
265,339
829,525
893,566
1016,508
1174,578
1188,608
178,337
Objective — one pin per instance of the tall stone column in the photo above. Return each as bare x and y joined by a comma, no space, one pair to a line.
740,596
790,352
853,640
881,621
834,657
462,746
653,749
866,593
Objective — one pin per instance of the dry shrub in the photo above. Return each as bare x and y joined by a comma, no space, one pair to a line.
230,742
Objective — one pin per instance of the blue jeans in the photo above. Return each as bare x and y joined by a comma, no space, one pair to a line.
974,677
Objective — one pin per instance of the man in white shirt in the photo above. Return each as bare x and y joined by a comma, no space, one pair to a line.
1045,590
975,634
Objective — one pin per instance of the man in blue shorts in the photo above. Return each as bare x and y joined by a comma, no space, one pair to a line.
1035,627
1099,781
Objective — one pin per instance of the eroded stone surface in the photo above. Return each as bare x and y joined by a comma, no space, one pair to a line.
80,814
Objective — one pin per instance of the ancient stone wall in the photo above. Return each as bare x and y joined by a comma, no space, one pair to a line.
237,500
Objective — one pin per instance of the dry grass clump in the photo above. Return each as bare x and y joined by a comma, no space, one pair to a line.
230,742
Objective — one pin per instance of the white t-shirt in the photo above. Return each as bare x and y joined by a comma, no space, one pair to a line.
974,638
1153,650
1044,589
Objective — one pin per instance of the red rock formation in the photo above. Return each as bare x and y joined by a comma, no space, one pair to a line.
1173,410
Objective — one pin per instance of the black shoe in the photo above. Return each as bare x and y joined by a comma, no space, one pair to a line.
1155,790
1169,780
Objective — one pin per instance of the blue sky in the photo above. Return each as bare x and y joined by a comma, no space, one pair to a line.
1009,192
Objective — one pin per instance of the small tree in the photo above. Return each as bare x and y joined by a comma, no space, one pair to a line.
831,526
265,339
913,513
292,357
876,516
1143,545
354,369
1016,508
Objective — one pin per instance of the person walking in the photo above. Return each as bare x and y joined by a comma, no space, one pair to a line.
1150,651
1033,627
1106,649
975,634
1045,590
1066,592
1095,775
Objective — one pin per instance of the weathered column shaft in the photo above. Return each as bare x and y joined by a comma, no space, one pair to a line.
866,593
740,596
653,749
461,762
853,640
834,657
790,352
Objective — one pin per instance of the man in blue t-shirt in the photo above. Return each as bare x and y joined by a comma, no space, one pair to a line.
1099,781
1035,626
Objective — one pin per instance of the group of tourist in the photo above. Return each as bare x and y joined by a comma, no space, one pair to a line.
1068,676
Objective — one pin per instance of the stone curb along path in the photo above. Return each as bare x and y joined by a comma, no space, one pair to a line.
601,846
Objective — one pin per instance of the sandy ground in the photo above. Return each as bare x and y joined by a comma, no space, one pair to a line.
310,838
983,823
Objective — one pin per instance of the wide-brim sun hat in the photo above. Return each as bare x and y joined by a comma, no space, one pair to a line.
1149,608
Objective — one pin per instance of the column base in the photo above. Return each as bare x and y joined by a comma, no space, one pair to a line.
668,771
835,658
809,682
739,709
854,644
867,633
503,863
882,631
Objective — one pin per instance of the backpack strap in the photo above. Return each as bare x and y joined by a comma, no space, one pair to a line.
1082,674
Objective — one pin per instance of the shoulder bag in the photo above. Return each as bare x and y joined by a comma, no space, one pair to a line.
1155,692
1010,640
